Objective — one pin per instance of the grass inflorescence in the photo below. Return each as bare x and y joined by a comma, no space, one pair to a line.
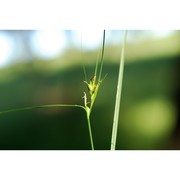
89,97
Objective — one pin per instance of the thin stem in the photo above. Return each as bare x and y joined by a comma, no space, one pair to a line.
41,106
118,95
90,131
97,62
85,74
84,68
102,55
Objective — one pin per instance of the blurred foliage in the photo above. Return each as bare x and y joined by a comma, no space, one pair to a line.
147,117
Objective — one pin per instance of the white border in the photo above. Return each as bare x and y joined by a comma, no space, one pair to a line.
68,14
86,165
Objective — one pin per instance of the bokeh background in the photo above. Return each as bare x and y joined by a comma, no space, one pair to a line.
45,67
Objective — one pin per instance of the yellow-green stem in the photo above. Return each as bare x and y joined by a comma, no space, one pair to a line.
90,131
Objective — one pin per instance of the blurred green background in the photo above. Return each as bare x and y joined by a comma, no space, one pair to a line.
33,73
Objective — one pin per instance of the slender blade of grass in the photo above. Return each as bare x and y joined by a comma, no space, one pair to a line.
97,62
102,55
85,74
84,68
118,95
41,106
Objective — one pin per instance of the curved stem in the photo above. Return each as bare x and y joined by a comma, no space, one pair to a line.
41,106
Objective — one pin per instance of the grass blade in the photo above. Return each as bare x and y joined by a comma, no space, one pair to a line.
102,55
97,62
41,106
118,95
85,74
84,68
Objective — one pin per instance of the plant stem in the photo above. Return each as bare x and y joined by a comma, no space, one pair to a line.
118,95
41,106
90,131
102,55
93,90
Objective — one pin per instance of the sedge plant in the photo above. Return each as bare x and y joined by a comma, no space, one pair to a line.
93,87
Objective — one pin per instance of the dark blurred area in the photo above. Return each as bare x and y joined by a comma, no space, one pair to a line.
150,107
